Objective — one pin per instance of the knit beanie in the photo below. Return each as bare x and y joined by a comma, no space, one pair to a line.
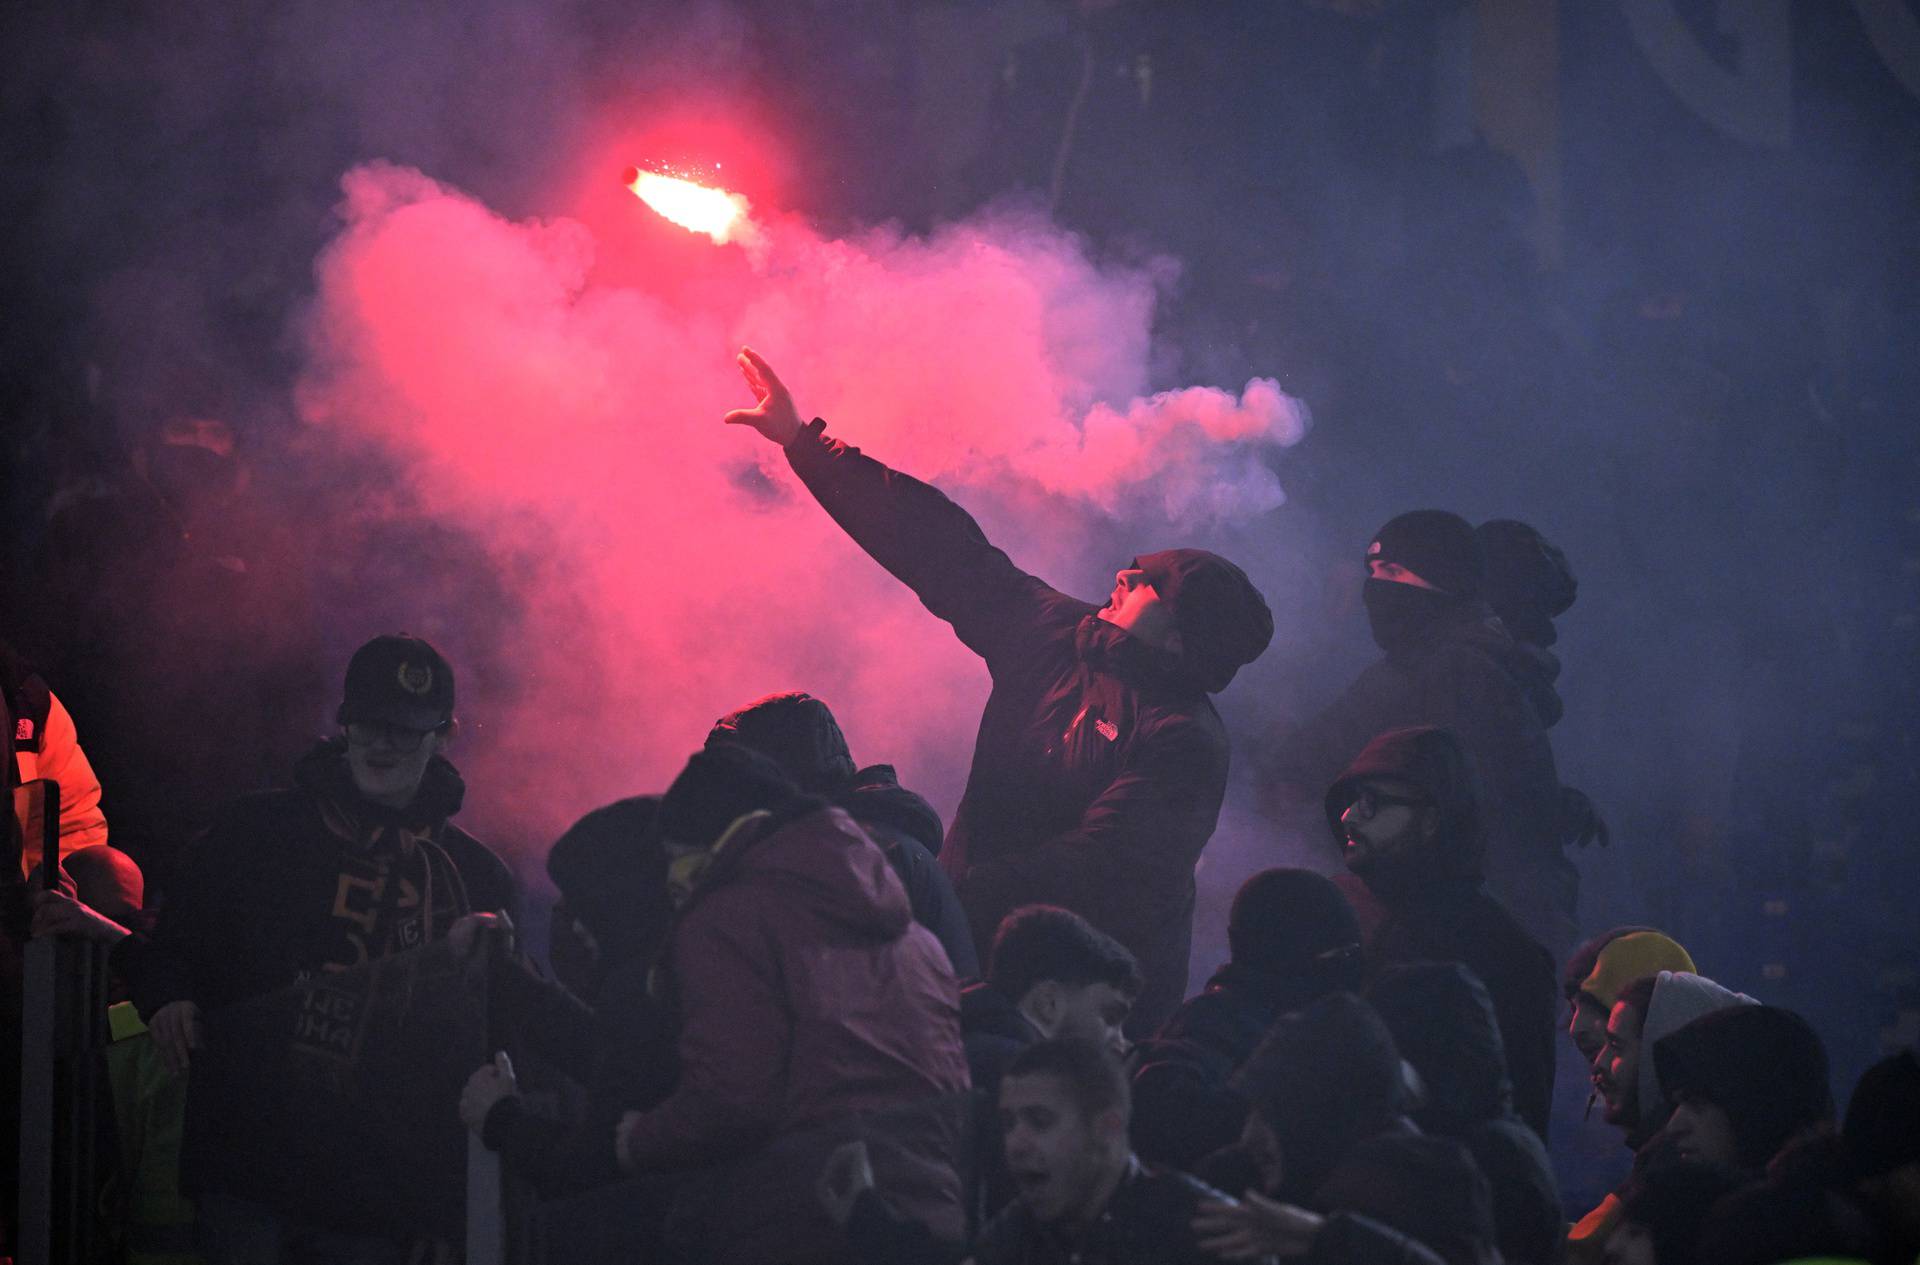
1528,580
798,732
1883,1119
1224,623
1580,961
1437,546
1679,998
1295,922
1631,957
611,870
1762,1065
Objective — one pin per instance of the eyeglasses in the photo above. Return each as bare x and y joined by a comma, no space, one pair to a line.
365,733
1370,801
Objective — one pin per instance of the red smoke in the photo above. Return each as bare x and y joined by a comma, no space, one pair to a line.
545,390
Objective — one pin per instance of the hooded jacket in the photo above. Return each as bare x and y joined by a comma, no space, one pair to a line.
1100,763
808,1001
1438,910
1466,674
293,882
1443,1023
907,828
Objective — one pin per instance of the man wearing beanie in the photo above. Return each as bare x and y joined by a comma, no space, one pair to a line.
1601,968
1100,763
359,861
1293,939
800,733
1448,661
1744,1081
1406,814
808,999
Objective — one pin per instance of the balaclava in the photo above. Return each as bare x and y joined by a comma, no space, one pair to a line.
1441,549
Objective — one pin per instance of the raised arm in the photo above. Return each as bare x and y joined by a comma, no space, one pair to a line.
923,539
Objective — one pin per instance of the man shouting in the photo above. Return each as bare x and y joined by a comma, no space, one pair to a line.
1100,763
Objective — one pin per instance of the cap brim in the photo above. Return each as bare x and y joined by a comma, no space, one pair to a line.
421,718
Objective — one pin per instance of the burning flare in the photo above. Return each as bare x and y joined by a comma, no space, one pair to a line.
695,207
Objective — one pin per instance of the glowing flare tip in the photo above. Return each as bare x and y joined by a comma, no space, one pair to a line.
695,207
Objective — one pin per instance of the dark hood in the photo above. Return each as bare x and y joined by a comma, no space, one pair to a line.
876,798
1434,760
611,870
813,858
1442,1020
323,774
1764,1066
1223,620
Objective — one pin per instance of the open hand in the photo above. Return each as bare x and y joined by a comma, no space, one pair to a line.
58,914
176,1030
775,416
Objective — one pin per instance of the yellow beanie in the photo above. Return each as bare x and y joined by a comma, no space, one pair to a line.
1631,957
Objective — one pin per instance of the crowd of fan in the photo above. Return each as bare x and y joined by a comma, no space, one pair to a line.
764,993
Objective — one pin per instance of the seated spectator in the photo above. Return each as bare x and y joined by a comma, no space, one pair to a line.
1743,1081
1604,965
799,733
1083,1195
1882,1133
612,874
1292,939
1443,1024
807,996
1051,974
1407,814
1628,1081
358,862
1661,1212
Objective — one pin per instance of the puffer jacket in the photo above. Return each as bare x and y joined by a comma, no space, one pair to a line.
1100,763
809,1001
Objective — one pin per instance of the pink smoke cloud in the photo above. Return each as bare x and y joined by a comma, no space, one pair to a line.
671,568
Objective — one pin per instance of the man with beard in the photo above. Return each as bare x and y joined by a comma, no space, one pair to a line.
1627,1080
1407,814
1450,662
1100,764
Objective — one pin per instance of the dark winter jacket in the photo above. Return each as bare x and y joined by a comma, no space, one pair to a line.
1427,1189
296,882
807,999
1436,909
621,1051
1100,763
1148,1221
994,1031
907,828
1471,677
1183,1109
1443,1023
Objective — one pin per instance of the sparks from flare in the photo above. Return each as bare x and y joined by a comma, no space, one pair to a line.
696,207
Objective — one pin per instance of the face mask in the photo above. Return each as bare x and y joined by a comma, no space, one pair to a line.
1404,615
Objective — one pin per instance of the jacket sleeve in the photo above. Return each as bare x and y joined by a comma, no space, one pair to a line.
82,824
936,906
926,542
734,1032
1182,1110
1153,819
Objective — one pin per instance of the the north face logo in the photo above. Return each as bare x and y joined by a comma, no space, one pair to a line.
1107,729
23,730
